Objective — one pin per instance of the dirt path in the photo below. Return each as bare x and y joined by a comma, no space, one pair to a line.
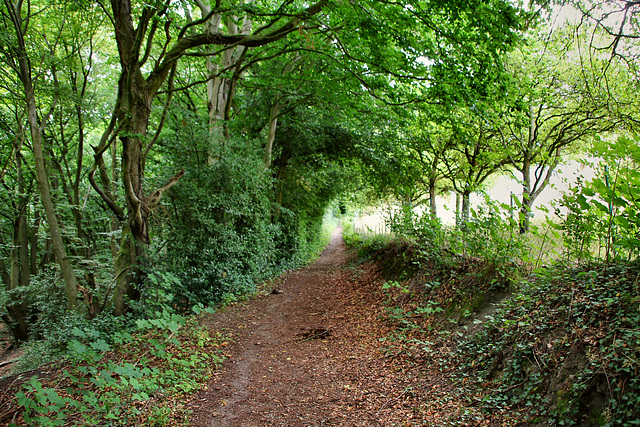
309,356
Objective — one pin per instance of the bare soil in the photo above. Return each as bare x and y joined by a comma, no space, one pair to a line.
313,353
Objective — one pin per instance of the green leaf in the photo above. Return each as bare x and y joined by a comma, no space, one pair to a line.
77,347
100,345
602,208
135,384
582,201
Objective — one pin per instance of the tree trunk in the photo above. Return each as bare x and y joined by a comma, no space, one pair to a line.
20,266
18,277
276,111
433,207
133,109
59,248
271,133
36,128
33,242
125,265
531,191
465,212
525,208
458,209
115,222
220,89
527,201
134,123
21,228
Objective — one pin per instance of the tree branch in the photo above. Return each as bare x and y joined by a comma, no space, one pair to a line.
252,40
154,198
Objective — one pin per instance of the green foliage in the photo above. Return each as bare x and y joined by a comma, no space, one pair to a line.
349,234
564,349
218,239
156,294
489,235
56,330
313,164
45,408
107,388
229,223
601,219
54,326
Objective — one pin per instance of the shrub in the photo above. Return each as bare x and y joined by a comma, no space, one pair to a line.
600,217
218,239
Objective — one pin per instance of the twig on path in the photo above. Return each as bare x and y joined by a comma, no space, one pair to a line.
314,334
392,399
7,388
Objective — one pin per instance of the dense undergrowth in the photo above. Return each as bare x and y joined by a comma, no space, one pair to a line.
565,348
556,345
136,379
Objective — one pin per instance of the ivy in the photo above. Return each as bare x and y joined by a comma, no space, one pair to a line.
569,336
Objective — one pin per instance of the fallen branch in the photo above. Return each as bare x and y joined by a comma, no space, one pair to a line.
8,362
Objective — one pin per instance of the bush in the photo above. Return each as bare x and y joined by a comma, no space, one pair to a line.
601,218
218,240
489,236
140,378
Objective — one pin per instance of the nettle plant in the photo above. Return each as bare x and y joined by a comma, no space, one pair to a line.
603,219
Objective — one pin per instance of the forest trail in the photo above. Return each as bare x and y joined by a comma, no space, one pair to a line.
312,356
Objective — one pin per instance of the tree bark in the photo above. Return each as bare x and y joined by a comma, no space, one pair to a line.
525,208
531,191
125,265
220,89
465,212
47,203
458,209
20,272
271,132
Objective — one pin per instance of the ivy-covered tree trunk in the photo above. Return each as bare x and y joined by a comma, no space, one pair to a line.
133,117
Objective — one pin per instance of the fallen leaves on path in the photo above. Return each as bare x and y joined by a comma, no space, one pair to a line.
319,353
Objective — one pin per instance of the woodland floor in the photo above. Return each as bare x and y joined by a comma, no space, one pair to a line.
312,353
318,351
